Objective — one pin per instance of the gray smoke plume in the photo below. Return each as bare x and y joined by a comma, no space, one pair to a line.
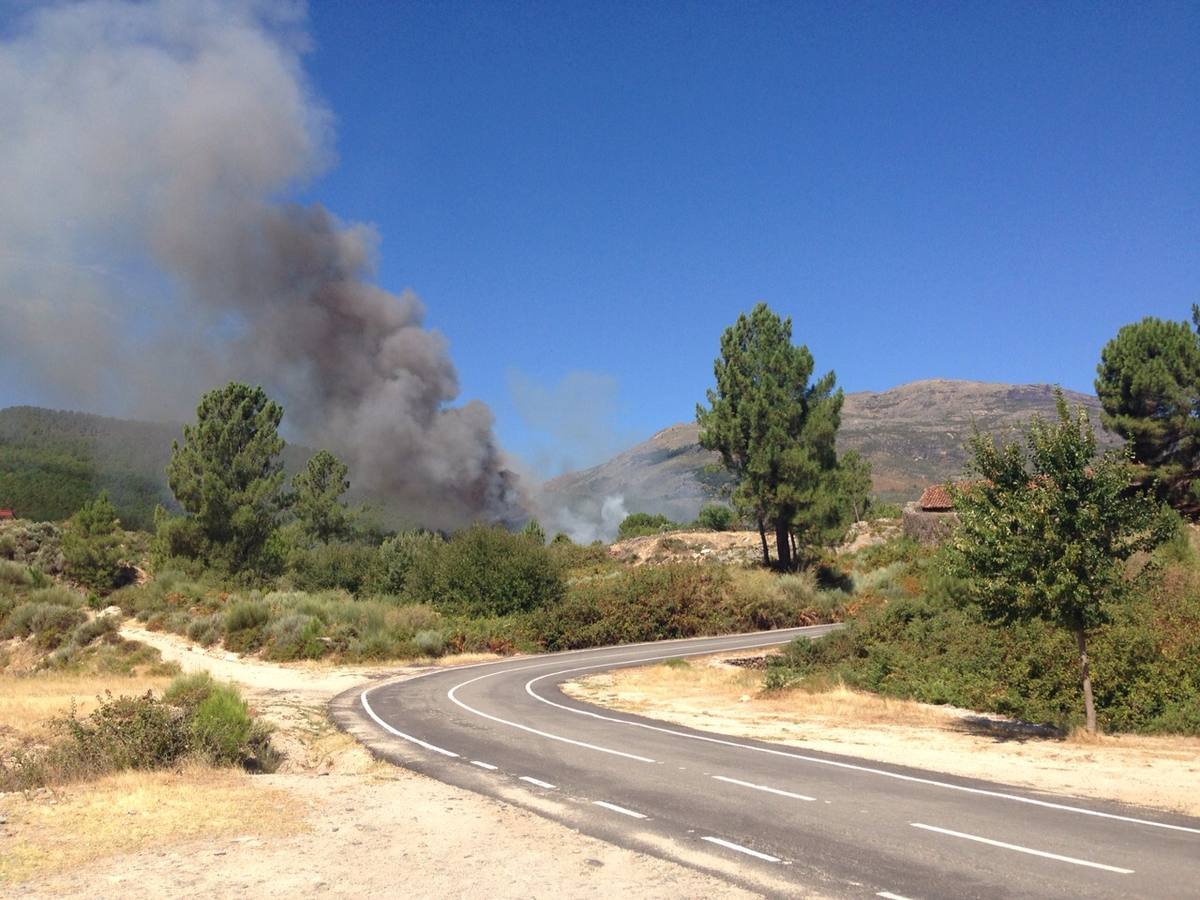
145,255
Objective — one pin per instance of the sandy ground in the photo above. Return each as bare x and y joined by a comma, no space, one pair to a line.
333,822
1160,772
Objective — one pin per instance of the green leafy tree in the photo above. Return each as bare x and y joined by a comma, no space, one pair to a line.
1148,382
715,516
92,546
534,531
317,498
228,478
774,428
1044,531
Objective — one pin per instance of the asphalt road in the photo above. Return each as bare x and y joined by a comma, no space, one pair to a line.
780,820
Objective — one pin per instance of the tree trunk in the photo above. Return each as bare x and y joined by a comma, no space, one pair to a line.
762,534
795,551
1089,704
783,548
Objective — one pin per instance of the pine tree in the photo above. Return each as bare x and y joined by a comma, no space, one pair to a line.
227,475
1148,381
775,430
317,498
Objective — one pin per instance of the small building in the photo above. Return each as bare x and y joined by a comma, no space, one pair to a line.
932,518
7,514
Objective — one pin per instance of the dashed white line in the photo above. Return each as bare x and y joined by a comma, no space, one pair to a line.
730,845
763,787
618,809
408,737
542,784
871,770
1020,849
484,765
888,895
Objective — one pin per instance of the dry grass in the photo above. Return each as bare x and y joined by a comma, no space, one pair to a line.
134,811
27,701
710,695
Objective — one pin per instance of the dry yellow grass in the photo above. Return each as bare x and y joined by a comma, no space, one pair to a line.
134,811
1154,771
27,701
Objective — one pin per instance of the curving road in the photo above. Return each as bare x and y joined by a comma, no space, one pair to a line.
780,820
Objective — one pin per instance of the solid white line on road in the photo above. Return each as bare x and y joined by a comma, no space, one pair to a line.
888,895
619,809
408,737
539,782
729,845
763,787
484,765
1020,849
871,770
545,734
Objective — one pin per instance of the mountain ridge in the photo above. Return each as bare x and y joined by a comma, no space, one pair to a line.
913,435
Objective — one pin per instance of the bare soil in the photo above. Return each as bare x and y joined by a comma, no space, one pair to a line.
1159,772
333,821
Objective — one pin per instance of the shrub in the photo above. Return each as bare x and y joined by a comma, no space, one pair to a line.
294,636
244,621
206,630
348,567
640,524
15,574
222,726
93,629
485,571
49,624
716,517
400,555
430,643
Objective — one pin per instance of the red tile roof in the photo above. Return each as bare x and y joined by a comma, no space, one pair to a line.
936,499
7,514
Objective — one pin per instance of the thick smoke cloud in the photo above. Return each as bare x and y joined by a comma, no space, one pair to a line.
145,255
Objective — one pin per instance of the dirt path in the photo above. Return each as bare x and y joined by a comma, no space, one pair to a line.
1161,772
364,829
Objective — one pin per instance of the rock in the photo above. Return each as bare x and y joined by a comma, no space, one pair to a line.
112,611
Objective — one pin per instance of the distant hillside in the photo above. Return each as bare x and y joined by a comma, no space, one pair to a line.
913,435
51,461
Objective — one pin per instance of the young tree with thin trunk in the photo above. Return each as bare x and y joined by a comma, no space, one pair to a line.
1045,531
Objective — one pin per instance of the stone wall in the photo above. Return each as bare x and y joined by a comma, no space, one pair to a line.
928,527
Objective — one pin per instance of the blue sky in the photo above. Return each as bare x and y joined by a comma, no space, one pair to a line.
586,194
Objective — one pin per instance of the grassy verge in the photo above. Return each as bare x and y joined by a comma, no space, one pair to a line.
134,811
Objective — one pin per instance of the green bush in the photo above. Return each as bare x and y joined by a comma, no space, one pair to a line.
294,636
716,516
222,726
641,524
244,622
430,643
348,567
486,571
49,624
401,555
206,630
15,574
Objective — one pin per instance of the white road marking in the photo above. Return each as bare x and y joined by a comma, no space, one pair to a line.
730,845
545,734
408,737
888,895
619,809
914,779
539,782
596,656
1020,849
763,787
484,765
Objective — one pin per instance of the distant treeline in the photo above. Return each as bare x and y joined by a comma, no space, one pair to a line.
52,462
